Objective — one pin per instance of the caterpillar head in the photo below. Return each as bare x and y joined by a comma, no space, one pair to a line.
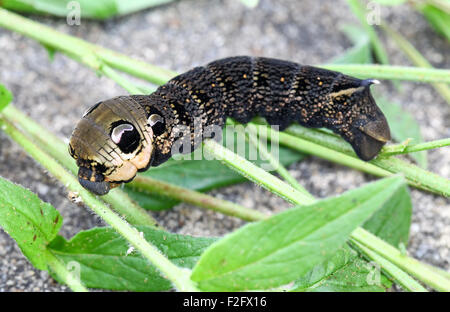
357,117
111,143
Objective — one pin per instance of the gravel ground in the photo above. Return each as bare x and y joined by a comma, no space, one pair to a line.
189,33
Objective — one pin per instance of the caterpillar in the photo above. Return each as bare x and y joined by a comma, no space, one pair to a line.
118,137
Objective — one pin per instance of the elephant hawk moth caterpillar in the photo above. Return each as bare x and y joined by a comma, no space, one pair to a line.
118,137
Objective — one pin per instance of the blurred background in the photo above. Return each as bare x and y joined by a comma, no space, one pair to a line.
179,35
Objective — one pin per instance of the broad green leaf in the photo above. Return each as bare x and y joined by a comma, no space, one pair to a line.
360,53
101,255
32,223
392,222
403,126
200,175
5,97
278,250
345,271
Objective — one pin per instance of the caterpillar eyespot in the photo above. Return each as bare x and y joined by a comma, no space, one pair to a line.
141,127
153,119
116,134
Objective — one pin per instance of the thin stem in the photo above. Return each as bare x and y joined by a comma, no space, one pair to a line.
95,55
256,174
179,277
119,79
415,175
392,72
153,186
330,147
282,171
443,5
417,58
65,275
408,264
118,199
87,53
312,148
406,281
398,149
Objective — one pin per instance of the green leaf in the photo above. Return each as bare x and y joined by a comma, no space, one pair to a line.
360,53
99,9
50,51
392,222
439,19
403,126
5,97
101,255
29,221
284,247
345,271
200,175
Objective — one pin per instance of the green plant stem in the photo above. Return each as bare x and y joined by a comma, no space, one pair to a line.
251,134
392,72
417,58
284,190
282,171
324,152
61,271
93,56
255,174
408,264
443,5
332,148
179,277
119,79
117,198
87,53
398,149
415,175
150,185
406,281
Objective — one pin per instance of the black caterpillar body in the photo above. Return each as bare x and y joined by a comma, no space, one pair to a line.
118,137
